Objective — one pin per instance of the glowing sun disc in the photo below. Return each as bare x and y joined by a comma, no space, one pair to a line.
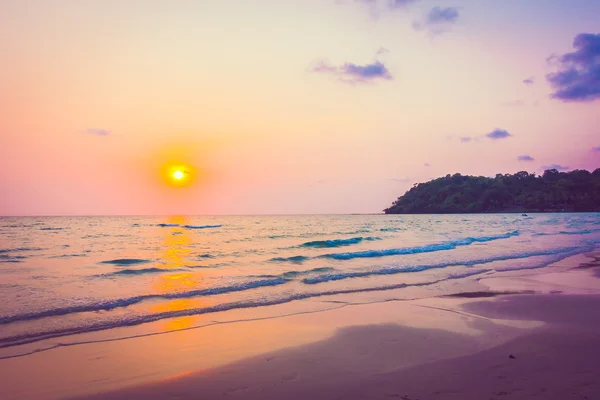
178,175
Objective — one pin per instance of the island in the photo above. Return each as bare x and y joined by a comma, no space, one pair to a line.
553,191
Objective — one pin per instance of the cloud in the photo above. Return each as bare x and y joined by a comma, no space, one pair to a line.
498,134
596,149
387,4
395,4
354,73
438,20
439,15
578,75
525,157
367,2
529,81
97,131
377,7
381,51
555,166
427,164
324,67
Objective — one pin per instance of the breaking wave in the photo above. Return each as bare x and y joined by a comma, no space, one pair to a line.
450,245
337,242
126,261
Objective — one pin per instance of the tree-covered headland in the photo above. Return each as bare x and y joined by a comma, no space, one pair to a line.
553,191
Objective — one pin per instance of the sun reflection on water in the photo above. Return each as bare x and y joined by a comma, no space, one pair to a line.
174,254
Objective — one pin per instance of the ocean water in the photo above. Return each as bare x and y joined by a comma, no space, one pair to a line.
63,276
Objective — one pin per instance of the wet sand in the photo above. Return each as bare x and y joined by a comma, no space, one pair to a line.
558,361
513,337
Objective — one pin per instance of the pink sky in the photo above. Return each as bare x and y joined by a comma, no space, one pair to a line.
95,96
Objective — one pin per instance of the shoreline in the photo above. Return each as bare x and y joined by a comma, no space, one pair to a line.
405,292
128,368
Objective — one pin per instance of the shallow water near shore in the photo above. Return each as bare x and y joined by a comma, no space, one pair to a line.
67,276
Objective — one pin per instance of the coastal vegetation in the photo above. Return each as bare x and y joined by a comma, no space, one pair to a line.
553,191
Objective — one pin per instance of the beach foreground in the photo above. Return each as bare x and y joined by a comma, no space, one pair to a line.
503,341
558,361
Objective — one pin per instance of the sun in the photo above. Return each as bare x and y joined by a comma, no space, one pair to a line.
179,175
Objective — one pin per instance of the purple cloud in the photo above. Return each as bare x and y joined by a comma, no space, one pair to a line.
323,66
427,164
596,149
578,75
529,81
439,15
368,71
354,73
498,134
525,157
555,166
438,20
97,132
401,3
493,135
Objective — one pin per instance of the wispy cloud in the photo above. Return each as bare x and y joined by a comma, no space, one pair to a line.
525,157
578,75
438,20
355,73
529,81
555,166
381,51
427,164
97,131
396,4
496,134
596,149
378,6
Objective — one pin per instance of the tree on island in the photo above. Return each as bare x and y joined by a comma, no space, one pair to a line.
554,191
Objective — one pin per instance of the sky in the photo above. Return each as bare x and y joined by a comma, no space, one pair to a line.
286,106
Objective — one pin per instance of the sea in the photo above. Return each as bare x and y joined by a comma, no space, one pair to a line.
61,277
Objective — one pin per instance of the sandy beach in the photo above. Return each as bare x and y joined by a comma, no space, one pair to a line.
299,199
533,335
557,361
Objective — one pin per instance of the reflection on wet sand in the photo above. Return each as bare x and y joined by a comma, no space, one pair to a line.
174,252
